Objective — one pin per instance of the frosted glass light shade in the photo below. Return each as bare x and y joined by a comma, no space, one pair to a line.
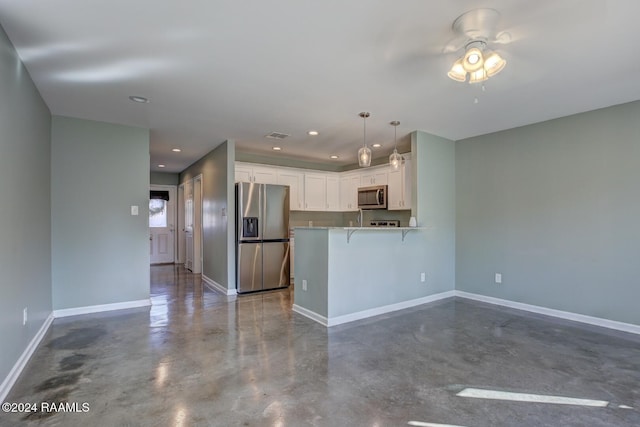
395,160
478,76
493,64
457,72
364,157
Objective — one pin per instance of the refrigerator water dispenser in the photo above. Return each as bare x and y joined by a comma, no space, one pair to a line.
249,227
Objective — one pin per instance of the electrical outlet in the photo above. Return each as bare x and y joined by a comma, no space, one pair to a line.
24,316
498,278
304,285
423,277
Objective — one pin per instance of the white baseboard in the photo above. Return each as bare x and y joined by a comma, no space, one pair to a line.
310,314
65,312
15,372
215,286
352,317
597,321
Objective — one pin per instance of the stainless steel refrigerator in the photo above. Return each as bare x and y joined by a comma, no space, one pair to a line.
262,237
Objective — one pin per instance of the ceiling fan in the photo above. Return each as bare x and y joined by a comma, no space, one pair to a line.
476,25
475,29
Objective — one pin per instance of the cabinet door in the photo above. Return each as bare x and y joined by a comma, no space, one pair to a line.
396,189
407,182
400,187
265,175
333,193
294,180
315,192
243,173
349,192
374,176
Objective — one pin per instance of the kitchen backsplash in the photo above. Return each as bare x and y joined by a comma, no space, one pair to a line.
344,219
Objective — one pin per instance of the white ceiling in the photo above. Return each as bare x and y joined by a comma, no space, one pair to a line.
217,70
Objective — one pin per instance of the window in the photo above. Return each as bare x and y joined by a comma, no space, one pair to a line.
157,213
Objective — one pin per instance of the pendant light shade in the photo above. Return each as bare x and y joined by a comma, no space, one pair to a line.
364,153
395,159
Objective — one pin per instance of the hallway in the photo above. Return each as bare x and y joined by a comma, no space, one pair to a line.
199,358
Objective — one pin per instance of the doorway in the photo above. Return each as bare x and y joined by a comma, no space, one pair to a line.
192,190
162,242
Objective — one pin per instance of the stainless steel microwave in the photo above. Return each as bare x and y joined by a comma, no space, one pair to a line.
374,197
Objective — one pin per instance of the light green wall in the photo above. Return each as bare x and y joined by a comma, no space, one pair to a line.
433,169
25,225
555,208
100,251
164,178
312,261
218,218
377,268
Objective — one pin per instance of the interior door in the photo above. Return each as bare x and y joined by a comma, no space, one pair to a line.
162,224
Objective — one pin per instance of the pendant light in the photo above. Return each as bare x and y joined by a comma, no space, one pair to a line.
364,153
395,159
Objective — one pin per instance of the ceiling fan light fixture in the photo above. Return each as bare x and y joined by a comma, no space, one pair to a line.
478,63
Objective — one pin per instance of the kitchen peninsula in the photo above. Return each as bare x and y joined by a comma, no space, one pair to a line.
349,273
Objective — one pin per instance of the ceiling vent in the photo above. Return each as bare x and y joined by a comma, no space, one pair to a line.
277,135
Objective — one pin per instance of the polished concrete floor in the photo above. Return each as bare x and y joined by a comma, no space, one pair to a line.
199,358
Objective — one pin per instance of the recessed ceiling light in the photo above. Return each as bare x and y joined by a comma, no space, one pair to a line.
277,148
176,150
333,157
313,133
161,166
140,99
377,145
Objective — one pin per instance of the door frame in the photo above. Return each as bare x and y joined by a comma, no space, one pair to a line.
198,257
180,254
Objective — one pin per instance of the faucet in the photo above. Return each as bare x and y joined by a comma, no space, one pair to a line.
360,217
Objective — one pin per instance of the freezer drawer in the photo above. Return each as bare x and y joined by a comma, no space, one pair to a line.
249,262
275,263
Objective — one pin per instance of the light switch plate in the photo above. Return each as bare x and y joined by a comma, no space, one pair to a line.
134,210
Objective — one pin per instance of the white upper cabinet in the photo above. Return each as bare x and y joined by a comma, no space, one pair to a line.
295,180
247,172
243,173
349,184
333,192
400,186
374,176
315,191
